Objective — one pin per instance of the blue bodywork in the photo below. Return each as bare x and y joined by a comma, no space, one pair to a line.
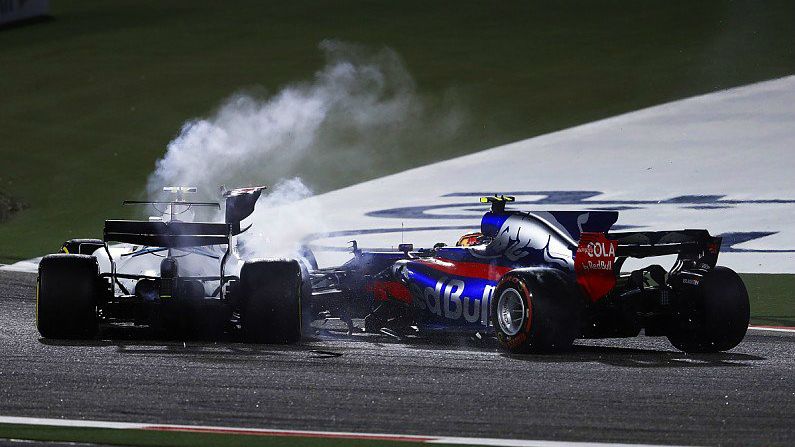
452,289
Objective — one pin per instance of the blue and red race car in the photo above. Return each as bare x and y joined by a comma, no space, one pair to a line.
540,280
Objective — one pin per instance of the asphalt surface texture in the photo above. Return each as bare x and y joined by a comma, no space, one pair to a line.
638,390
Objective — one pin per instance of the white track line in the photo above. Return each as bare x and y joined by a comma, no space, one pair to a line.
306,433
69,423
773,329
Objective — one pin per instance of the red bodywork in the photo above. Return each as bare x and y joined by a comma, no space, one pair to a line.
593,264
390,290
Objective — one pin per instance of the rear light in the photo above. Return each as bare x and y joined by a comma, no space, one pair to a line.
169,269
167,287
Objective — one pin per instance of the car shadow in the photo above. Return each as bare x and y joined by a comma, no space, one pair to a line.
641,358
580,353
225,350
437,341
229,349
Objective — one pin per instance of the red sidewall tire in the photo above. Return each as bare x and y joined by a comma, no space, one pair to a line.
516,342
554,307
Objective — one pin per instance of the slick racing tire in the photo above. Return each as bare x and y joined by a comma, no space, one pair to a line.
271,292
67,291
715,316
81,246
536,311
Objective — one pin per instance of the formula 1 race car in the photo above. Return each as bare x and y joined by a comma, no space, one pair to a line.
171,274
539,280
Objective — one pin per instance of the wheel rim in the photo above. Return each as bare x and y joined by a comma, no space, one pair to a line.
511,311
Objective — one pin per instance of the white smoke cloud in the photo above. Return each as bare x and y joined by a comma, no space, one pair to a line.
280,222
362,106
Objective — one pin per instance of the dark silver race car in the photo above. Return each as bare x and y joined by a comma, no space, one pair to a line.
172,275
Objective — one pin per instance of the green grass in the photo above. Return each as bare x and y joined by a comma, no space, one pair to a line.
130,437
91,99
772,299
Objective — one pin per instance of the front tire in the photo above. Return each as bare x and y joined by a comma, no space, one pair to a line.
271,301
81,246
536,310
67,291
715,316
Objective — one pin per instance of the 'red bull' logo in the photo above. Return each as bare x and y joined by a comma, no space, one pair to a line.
447,300
593,264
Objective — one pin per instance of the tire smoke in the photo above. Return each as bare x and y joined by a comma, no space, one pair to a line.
361,107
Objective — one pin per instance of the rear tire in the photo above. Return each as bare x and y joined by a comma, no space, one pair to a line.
536,310
67,291
717,315
271,292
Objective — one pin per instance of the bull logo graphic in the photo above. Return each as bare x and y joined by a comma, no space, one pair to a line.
520,234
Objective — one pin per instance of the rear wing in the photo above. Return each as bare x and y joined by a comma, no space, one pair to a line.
696,245
171,234
239,204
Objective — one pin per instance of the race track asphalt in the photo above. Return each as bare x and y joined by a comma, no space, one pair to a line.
634,390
